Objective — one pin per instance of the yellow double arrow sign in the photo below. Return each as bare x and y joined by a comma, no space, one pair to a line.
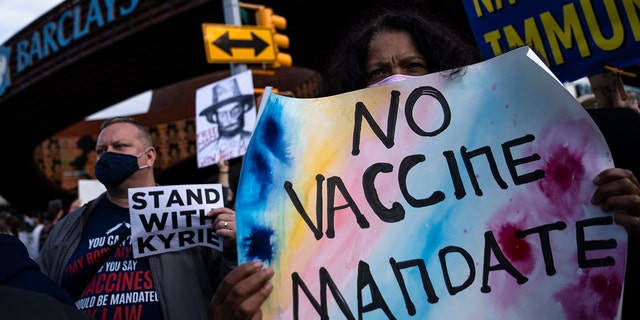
243,44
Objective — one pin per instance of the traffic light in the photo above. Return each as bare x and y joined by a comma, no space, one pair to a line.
266,18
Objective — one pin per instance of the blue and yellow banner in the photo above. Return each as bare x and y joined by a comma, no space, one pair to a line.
577,38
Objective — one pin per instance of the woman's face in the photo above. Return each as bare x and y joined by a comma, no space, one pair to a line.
393,52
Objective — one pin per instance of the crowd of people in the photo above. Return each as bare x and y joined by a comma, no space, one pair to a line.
202,283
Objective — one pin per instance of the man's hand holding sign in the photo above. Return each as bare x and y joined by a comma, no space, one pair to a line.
433,197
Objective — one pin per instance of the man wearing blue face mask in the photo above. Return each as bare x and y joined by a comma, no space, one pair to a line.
114,168
88,253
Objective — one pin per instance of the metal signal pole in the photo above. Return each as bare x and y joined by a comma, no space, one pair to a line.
232,17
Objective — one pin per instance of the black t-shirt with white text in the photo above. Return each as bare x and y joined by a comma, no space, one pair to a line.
122,287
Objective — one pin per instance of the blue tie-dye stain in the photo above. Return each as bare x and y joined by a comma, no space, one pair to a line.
273,137
259,167
437,234
269,146
258,244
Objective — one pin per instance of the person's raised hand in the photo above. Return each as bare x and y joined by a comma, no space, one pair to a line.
223,165
619,192
630,101
242,292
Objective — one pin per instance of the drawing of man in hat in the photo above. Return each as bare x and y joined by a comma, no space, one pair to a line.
227,112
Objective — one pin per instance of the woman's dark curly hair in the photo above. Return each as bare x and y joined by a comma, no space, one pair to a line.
442,47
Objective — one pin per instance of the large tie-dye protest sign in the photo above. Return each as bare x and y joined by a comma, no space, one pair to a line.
436,197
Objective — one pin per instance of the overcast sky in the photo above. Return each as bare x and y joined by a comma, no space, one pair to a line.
17,14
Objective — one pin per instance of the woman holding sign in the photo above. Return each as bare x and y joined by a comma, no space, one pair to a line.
397,45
